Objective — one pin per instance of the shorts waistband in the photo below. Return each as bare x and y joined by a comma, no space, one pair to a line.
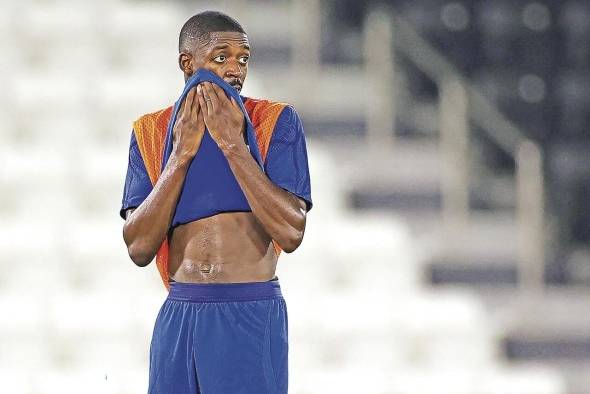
224,292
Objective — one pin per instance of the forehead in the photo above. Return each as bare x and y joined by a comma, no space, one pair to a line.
225,39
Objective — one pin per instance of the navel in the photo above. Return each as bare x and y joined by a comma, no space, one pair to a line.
205,268
209,271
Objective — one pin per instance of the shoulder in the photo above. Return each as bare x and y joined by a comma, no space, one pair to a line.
153,121
149,133
271,112
157,114
261,110
260,104
290,117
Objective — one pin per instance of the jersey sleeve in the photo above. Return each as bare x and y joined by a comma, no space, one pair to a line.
286,161
137,182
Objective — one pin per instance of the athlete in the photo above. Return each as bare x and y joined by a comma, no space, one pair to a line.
217,186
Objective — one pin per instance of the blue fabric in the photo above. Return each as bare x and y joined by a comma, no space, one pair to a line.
286,162
210,186
220,339
137,181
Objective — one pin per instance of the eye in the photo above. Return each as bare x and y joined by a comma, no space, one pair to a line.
244,60
219,58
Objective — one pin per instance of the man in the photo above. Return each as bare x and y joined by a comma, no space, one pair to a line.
223,327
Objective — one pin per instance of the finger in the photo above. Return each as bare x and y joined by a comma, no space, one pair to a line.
194,102
221,96
197,105
202,102
235,104
188,101
212,95
181,109
211,89
206,100
200,117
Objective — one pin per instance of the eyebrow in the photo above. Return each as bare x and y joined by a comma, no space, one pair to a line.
223,46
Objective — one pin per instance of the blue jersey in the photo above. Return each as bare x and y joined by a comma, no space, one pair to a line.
284,160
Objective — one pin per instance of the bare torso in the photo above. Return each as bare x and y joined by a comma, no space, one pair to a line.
228,247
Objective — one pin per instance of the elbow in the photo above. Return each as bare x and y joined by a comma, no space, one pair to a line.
139,255
138,251
293,234
291,241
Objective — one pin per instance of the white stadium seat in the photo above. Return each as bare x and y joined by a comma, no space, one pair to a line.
77,314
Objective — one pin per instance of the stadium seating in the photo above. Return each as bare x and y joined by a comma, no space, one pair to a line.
78,315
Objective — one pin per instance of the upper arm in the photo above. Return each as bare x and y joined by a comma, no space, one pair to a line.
302,203
128,212
286,163
137,181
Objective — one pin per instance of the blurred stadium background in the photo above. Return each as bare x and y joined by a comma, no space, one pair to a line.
449,247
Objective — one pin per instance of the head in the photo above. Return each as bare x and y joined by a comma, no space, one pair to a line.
217,42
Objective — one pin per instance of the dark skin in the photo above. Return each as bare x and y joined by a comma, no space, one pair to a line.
229,247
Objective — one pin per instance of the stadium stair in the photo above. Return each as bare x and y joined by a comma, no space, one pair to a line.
364,317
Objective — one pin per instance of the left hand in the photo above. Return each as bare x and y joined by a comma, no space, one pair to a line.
223,117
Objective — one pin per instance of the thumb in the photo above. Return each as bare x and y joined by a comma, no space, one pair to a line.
235,104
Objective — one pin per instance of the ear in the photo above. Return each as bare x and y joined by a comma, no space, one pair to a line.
185,62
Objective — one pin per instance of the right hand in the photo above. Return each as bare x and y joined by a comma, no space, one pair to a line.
189,127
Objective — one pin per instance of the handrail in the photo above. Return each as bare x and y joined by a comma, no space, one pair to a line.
380,105
497,127
454,144
459,101
529,181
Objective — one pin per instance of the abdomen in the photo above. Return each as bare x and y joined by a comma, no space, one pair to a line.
228,247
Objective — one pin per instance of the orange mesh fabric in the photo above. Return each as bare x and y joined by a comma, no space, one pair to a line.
264,115
150,133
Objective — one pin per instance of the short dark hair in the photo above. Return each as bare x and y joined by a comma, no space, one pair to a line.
199,26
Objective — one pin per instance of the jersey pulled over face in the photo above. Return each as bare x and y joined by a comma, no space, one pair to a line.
226,54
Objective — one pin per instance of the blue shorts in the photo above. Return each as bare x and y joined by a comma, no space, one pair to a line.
226,338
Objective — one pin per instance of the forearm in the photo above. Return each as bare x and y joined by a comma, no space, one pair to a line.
279,211
146,227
